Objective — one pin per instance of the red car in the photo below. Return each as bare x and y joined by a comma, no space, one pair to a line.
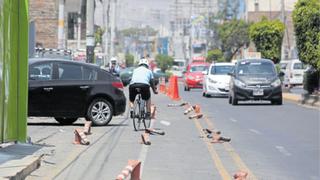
193,77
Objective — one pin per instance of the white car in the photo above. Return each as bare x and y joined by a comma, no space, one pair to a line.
294,73
216,81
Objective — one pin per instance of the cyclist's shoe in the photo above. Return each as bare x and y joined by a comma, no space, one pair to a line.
148,115
131,113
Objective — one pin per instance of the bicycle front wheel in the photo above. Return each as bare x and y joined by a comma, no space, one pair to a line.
136,116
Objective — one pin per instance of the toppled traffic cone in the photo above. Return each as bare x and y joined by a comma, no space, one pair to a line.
153,111
80,137
188,110
217,138
133,169
240,175
154,131
145,139
196,116
177,105
87,127
197,109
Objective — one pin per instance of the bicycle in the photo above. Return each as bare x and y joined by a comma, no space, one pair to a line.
140,112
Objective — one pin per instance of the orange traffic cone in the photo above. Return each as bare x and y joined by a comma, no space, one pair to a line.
175,89
169,89
87,127
133,169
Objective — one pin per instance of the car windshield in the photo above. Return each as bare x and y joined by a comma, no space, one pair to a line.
198,68
221,70
255,68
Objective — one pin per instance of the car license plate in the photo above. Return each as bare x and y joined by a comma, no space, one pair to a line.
258,92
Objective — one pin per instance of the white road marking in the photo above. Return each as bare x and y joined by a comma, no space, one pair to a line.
255,131
282,150
144,152
166,123
233,120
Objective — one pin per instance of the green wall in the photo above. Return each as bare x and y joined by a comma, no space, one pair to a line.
13,70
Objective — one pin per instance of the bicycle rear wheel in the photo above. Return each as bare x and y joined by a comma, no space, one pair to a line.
146,122
136,116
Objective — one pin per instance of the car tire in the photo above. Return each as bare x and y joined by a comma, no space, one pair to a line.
234,101
230,100
277,102
100,112
65,121
186,88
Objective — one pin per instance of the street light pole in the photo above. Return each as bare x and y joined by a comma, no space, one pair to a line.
90,31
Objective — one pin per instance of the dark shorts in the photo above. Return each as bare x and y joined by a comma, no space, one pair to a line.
144,91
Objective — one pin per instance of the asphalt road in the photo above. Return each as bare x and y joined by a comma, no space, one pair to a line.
275,142
268,142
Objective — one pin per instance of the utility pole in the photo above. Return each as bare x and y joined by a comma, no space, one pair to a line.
113,27
90,31
79,31
61,25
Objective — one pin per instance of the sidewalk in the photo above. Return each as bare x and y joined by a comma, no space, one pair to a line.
18,160
305,99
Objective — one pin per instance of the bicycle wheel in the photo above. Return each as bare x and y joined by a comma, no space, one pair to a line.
146,122
136,115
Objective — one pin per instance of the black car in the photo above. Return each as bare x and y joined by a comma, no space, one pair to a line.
255,79
67,90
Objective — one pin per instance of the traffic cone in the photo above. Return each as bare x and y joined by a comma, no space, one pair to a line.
154,131
175,89
80,137
132,168
196,116
240,175
145,139
169,90
197,109
87,127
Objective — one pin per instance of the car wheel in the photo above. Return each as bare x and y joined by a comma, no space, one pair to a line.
204,94
100,112
277,102
230,99
234,100
186,88
65,121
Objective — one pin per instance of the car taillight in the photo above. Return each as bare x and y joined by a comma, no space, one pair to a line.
118,85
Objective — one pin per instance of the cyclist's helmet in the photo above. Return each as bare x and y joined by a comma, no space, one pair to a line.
144,62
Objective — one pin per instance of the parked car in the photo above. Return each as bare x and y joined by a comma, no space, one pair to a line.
255,79
67,90
294,73
216,81
193,77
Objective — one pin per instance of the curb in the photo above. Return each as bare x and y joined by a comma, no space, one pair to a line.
311,100
20,168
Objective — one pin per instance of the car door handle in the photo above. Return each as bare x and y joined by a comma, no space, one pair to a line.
48,89
84,87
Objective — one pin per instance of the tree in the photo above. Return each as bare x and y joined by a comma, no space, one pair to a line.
306,19
233,35
164,62
129,60
267,37
215,55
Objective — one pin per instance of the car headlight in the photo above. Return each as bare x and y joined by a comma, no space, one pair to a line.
276,83
212,81
239,83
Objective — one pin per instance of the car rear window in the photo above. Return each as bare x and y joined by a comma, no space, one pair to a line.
221,69
41,72
198,68
298,66
248,68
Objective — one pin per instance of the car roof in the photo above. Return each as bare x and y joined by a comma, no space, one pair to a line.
35,60
222,64
255,60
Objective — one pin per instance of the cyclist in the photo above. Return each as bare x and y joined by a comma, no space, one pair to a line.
143,79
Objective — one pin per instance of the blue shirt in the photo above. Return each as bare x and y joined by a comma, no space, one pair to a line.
141,75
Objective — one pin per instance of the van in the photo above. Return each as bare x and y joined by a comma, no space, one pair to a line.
294,73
